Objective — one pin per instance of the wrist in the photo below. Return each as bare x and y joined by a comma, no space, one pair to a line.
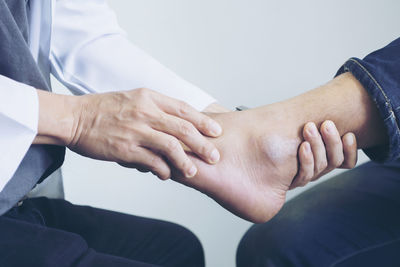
58,118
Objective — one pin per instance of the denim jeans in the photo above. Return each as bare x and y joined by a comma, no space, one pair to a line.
350,220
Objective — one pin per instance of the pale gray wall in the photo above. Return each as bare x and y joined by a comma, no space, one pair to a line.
242,52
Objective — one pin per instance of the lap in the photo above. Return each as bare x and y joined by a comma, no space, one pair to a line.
353,216
49,229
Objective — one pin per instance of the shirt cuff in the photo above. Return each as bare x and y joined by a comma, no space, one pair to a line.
19,113
386,152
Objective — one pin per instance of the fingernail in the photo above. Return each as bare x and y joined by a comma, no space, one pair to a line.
312,129
349,139
214,157
192,172
215,129
330,127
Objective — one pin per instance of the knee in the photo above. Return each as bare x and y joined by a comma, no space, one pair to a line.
193,247
280,242
187,247
260,246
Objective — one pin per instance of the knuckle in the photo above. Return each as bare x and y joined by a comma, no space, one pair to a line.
156,167
321,166
186,129
185,165
171,145
142,96
205,149
183,108
131,148
123,151
143,92
140,112
204,123
161,118
155,163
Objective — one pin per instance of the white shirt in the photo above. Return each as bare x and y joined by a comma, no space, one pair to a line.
81,44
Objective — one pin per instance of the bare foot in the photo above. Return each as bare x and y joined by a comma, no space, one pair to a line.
258,162
259,146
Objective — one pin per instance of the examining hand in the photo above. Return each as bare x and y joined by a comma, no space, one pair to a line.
322,151
143,129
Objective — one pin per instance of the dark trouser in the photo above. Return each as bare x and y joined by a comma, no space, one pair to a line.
352,219
44,232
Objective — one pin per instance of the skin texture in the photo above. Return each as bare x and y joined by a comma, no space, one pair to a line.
138,129
252,178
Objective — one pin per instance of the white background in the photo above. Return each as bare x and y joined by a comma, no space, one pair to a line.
250,53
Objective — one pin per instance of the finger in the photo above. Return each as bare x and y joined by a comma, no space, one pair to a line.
306,168
185,132
333,145
145,160
169,147
203,123
349,150
311,135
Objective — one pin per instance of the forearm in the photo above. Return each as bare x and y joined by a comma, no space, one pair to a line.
57,118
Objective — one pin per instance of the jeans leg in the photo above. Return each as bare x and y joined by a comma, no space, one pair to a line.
353,214
127,236
23,243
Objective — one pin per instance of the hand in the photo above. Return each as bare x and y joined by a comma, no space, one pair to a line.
318,155
143,129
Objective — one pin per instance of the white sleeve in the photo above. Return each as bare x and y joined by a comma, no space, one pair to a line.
90,53
19,114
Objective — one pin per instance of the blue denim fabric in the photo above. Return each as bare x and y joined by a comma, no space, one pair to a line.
379,73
